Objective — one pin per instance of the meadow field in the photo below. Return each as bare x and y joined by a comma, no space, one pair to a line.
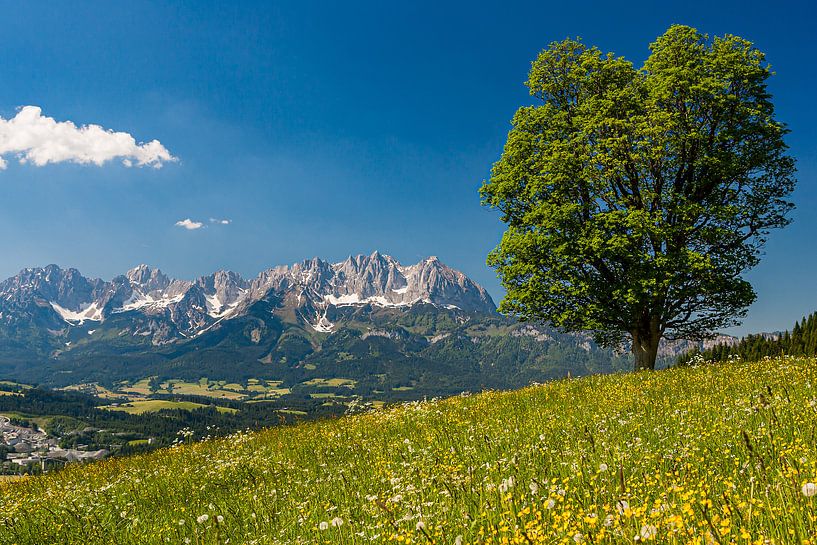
708,454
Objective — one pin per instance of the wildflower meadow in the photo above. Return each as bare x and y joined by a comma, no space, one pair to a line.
705,454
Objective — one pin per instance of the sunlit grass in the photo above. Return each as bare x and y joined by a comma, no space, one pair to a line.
141,387
707,455
153,405
202,388
331,382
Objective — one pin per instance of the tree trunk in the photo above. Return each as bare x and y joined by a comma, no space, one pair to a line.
645,350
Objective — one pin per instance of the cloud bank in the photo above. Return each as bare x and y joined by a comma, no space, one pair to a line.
189,224
39,140
221,221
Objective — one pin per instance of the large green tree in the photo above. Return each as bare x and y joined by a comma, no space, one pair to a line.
635,199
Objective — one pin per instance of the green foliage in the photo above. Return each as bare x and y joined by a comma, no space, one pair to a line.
636,198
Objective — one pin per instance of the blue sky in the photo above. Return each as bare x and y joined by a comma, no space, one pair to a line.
331,128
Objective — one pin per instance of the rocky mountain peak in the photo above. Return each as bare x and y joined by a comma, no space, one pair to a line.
221,281
222,291
64,287
147,279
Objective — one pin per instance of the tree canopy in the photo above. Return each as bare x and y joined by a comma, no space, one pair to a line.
635,199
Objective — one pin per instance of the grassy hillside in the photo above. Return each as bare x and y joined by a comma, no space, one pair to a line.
715,454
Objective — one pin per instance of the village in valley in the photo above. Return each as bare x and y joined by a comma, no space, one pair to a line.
28,447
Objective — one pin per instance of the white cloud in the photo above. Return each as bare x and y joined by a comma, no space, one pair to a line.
189,224
39,140
221,221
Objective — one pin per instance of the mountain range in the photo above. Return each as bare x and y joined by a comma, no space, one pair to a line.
170,309
369,319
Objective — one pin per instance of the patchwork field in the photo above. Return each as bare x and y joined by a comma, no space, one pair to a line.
706,455
153,405
218,389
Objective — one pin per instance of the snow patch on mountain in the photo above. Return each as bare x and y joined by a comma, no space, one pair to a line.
354,299
91,313
323,325
343,300
138,301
